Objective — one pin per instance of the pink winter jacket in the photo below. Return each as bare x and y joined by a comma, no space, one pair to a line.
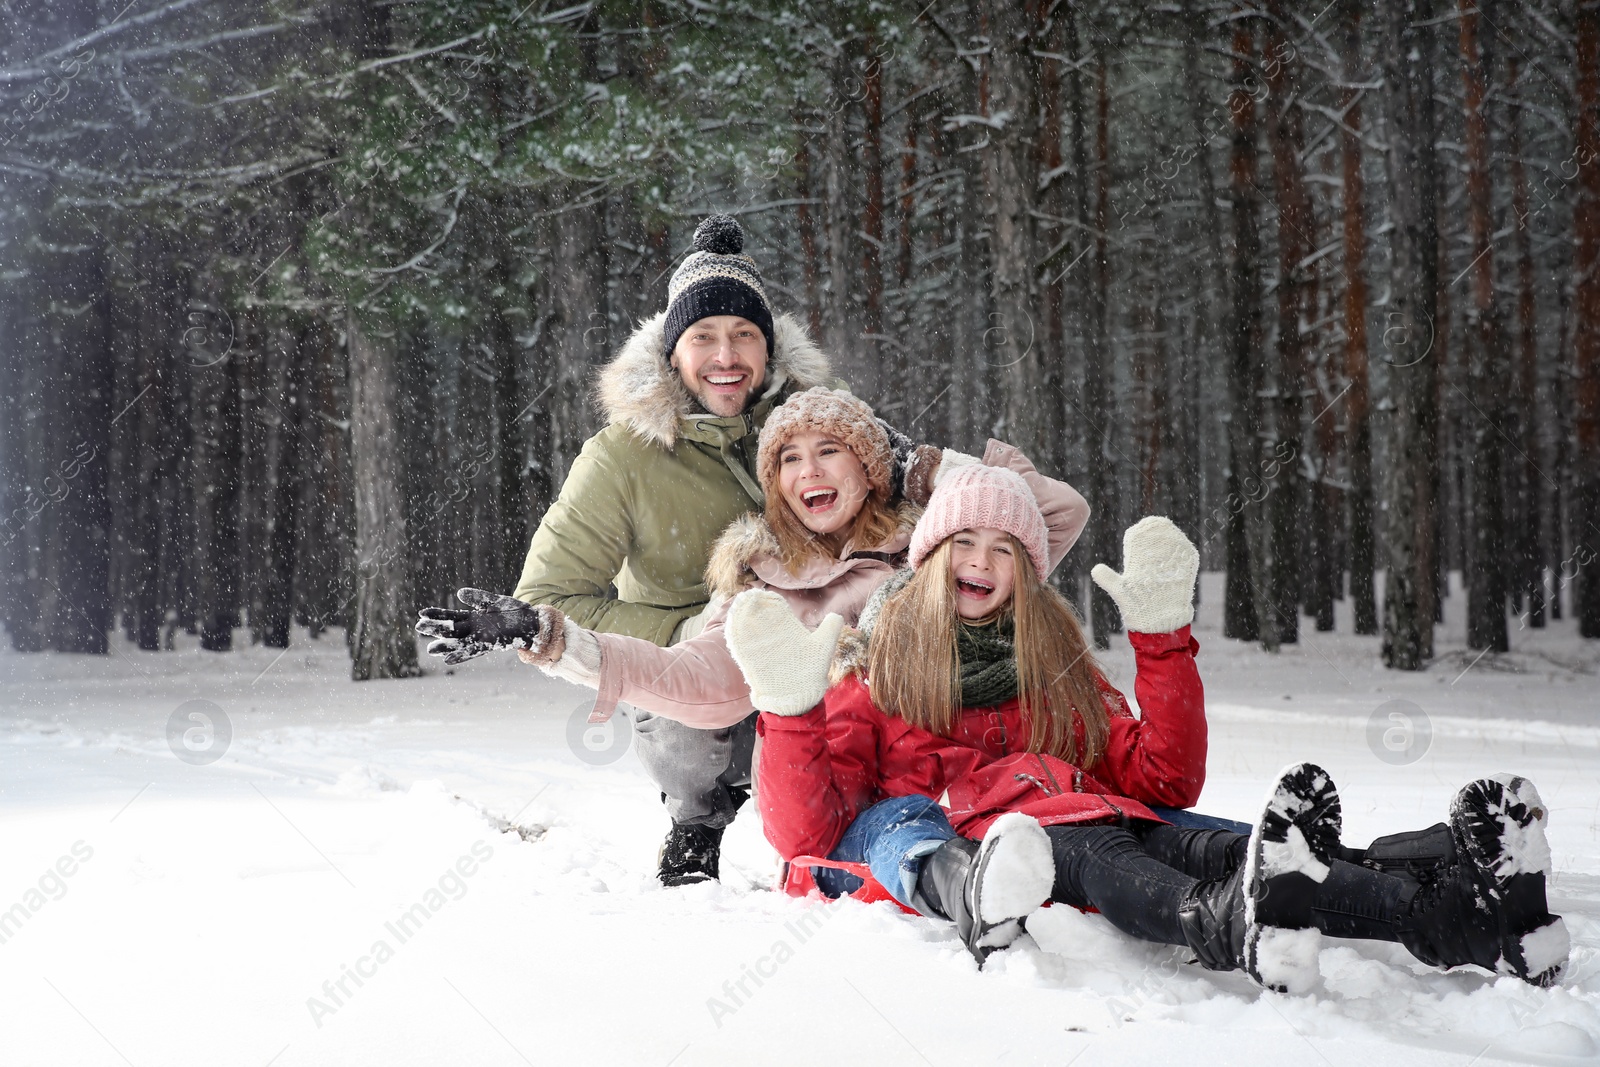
697,682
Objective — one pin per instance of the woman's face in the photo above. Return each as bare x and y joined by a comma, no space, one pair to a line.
822,481
983,564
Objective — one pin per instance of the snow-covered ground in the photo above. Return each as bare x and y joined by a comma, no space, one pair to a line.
317,896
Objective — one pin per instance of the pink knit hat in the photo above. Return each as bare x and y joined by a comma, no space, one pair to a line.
974,497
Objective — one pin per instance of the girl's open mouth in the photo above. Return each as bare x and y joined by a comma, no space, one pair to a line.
819,499
974,588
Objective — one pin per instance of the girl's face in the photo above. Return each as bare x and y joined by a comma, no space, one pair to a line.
983,564
822,481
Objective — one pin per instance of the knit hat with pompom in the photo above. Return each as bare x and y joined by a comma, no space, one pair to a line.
976,497
833,413
716,279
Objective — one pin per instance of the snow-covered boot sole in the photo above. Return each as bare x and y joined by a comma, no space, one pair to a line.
1012,876
1499,828
1291,846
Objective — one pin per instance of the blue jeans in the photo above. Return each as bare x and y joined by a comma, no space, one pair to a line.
891,837
1189,820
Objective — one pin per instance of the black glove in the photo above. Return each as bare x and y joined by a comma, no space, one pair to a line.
913,468
902,448
493,621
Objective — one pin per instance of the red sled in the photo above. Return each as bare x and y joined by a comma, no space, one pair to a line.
798,880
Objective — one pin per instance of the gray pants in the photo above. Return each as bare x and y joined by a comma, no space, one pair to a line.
703,774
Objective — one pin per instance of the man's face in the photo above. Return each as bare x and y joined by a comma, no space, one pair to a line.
722,360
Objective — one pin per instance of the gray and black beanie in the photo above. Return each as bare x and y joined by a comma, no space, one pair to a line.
716,279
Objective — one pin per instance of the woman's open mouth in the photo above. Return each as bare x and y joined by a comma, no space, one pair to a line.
819,499
974,588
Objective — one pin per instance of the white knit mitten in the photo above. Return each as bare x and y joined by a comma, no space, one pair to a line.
951,462
1155,591
785,665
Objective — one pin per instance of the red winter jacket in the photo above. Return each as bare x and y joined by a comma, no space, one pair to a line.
819,770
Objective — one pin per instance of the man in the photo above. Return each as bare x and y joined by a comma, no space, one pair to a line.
684,401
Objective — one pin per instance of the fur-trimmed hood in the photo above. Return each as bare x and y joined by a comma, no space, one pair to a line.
748,546
640,388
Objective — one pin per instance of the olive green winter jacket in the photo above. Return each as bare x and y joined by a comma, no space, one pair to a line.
649,494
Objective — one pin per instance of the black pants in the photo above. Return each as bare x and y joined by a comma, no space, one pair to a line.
1138,877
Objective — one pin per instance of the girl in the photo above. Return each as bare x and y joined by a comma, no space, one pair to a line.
977,688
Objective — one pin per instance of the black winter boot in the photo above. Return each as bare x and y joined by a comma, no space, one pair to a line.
1213,922
1351,904
1260,917
988,889
1417,856
1489,908
690,854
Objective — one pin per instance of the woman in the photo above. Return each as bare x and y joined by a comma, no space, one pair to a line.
978,688
829,535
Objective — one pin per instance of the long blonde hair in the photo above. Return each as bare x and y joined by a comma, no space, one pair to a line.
915,670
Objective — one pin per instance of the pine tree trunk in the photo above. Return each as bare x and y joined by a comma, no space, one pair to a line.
1244,605
513,531
1202,366
1561,491
908,203
1055,237
1586,325
322,540
1014,354
1406,50
1434,502
283,397
579,266
1487,558
19,623
840,329
215,391
1099,416
1295,244
383,644
77,549
1358,431
1529,482
157,454
872,215
806,227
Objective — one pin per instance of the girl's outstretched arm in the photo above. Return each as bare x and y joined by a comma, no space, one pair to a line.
1161,757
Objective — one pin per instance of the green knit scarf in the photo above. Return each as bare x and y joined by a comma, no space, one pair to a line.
988,656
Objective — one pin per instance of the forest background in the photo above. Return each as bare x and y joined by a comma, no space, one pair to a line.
301,300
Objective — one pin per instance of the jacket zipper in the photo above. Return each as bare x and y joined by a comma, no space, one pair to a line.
1050,774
